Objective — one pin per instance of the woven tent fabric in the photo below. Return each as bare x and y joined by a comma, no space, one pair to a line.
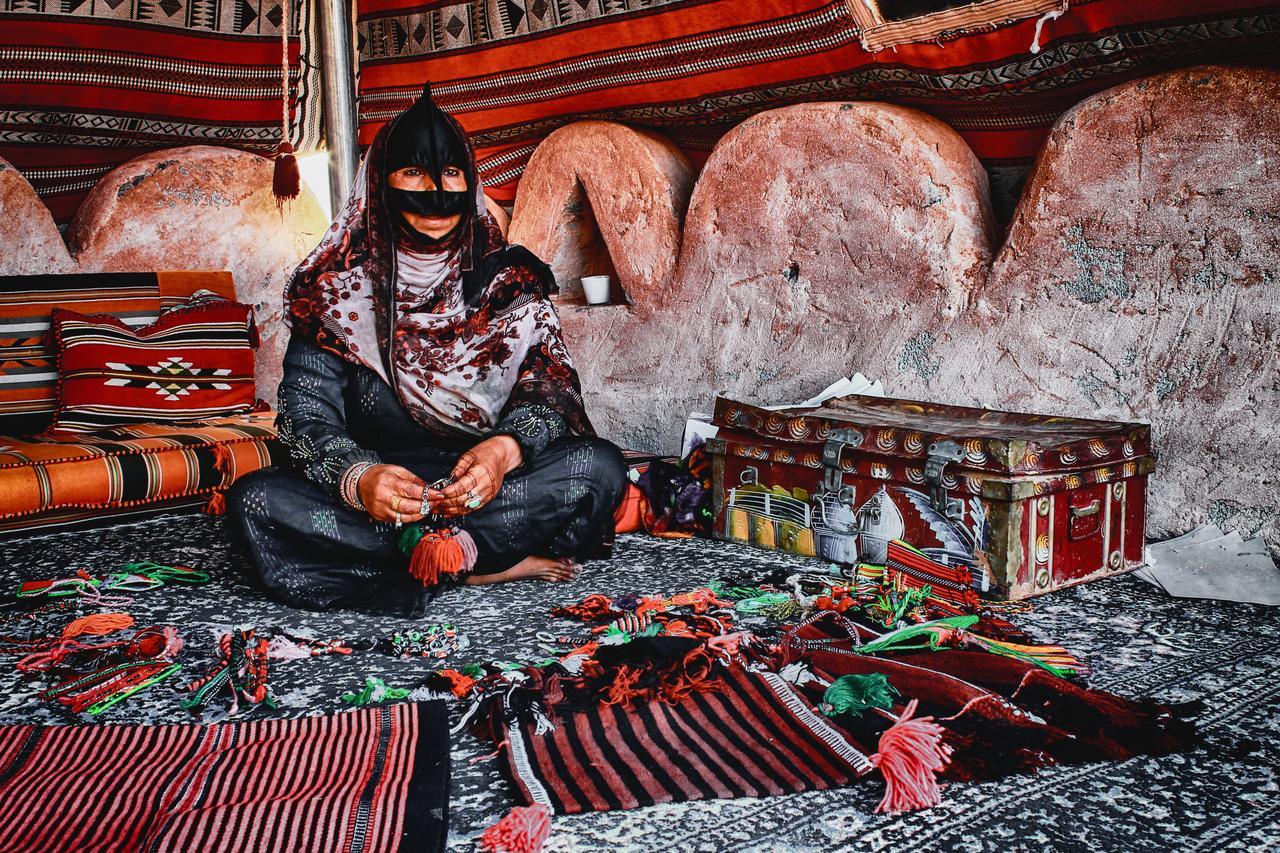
512,71
376,779
86,85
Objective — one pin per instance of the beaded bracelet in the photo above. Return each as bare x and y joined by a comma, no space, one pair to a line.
431,641
349,486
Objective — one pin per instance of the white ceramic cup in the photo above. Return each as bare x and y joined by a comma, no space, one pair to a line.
596,288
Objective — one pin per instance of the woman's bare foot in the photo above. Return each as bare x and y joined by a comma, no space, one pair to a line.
532,568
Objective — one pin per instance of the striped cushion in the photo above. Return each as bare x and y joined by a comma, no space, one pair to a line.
192,364
28,378
131,466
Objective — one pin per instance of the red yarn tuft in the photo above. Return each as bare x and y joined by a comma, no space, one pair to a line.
286,180
438,554
217,504
911,754
524,829
459,684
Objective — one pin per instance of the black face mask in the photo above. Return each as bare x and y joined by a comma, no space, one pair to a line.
439,203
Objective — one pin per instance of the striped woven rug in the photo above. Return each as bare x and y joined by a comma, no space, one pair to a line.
368,780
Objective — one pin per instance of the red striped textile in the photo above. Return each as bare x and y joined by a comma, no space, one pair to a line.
367,780
950,587
514,70
87,84
753,737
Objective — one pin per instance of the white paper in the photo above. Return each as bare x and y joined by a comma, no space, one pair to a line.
698,428
1207,563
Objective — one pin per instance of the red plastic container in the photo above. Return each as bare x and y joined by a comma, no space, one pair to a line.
1026,503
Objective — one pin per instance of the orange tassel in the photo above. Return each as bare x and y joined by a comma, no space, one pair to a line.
459,684
911,755
286,180
222,458
441,554
217,504
98,624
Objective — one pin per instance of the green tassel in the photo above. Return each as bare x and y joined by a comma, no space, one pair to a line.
915,636
375,690
853,694
409,538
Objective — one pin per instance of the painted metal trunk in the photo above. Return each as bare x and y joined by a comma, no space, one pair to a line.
998,504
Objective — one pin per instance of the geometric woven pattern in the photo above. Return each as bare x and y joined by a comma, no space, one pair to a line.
1222,796
171,377
28,373
192,364
512,71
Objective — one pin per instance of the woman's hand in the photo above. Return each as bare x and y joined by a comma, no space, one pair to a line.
477,477
389,490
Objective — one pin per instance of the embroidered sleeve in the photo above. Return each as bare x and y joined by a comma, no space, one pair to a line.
312,416
533,427
546,389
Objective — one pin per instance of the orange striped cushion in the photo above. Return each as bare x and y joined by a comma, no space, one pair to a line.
131,466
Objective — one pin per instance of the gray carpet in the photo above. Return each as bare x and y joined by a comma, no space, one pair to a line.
1225,795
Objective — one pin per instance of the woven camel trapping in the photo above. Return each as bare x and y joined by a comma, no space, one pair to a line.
369,780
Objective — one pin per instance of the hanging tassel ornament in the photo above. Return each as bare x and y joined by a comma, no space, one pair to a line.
437,547
286,180
911,755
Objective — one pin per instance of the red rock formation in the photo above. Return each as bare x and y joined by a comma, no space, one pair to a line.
602,198
29,240
820,238
202,207
1141,280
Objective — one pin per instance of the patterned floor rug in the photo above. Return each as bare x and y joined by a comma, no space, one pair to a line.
1225,795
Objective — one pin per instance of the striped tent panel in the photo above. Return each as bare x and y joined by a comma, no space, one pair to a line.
88,86
28,374
192,364
131,467
753,737
374,779
514,70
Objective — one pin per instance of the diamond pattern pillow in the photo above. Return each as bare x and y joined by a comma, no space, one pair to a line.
194,363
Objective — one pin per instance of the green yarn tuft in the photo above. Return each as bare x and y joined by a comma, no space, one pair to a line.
409,538
854,694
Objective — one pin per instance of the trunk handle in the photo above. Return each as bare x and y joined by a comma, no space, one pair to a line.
833,475
941,454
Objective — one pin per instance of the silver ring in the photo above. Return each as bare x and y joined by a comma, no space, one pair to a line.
473,500
399,523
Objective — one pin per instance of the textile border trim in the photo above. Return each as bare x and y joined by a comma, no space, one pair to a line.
524,772
878,34
816,724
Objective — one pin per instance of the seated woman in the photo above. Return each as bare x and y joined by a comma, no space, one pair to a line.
424,347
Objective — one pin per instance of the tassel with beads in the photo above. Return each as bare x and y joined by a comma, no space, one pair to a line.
911,755
438,554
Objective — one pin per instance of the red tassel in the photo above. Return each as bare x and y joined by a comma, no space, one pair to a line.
524,829
911,754
459,684
286,180
222,458
217,504
441,553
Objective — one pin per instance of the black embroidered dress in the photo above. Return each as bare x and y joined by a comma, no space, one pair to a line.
410,359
